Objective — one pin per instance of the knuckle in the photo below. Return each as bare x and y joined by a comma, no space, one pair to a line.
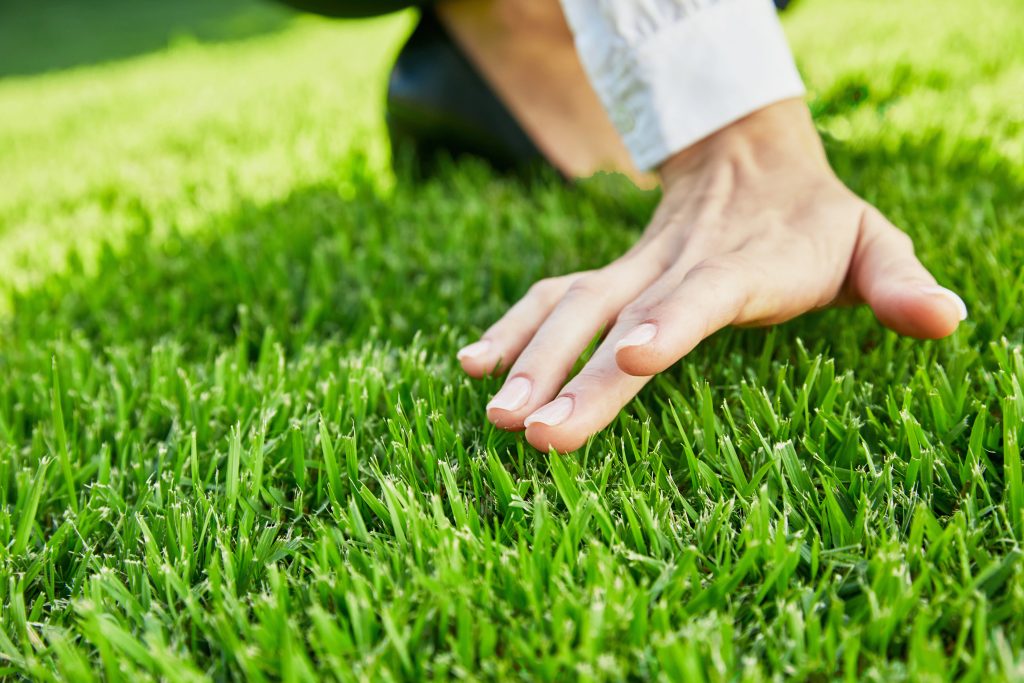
715,265
586,286
592,377
665,260
903,240
636,313
729,280
659,254
547,289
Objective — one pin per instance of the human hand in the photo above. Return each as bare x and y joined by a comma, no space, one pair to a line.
753,229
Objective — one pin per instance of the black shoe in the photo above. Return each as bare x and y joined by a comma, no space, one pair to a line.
439,104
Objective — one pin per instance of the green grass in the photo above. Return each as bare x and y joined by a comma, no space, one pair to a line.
235,443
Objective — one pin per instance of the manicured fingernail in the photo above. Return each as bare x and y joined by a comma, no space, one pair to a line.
553,414
474,350
513,395
638,336
949,294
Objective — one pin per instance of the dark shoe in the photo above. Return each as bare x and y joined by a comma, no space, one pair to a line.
439,104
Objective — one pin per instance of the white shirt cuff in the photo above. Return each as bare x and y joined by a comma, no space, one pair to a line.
671,72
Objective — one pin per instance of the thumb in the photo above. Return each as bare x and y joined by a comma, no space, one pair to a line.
902,293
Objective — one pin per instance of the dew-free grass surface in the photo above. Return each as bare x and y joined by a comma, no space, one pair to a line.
235,442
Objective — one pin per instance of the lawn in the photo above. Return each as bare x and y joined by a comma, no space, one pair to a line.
235,442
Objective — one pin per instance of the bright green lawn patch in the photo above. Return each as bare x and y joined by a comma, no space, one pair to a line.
235,443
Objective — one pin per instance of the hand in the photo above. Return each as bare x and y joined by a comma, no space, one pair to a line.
753,229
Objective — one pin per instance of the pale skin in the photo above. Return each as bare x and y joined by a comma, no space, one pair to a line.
753,228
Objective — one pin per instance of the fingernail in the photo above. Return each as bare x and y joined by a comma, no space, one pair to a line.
638,336
474,350
553,414
513,395
949,294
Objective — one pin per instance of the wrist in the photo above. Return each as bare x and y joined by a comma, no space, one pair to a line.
781,134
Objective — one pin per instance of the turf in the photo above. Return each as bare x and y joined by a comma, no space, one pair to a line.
235,443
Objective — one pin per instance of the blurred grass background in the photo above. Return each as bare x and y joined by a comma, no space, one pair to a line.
223,103
37,37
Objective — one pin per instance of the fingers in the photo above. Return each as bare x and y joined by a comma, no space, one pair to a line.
902,293
589,304
710,297
503,341
586,405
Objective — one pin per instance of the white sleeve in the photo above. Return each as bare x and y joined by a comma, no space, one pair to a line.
671,72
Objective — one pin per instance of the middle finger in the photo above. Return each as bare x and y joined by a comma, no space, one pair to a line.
590,304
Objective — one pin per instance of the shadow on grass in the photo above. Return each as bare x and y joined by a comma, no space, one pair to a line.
45,36
336,260
356,262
